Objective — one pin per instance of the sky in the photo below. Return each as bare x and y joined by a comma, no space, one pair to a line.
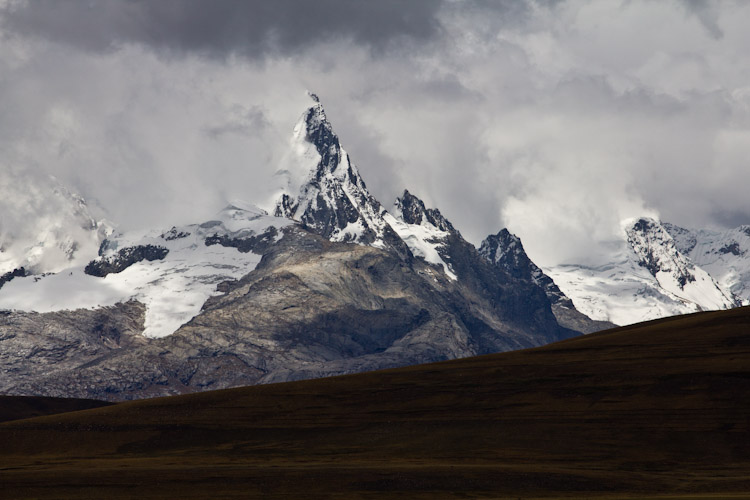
556,119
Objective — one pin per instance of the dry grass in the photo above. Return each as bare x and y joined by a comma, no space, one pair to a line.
18,407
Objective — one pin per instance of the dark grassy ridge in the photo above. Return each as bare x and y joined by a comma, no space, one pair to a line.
19,407
660,409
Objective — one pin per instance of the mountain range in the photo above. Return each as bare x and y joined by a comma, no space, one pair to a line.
329,282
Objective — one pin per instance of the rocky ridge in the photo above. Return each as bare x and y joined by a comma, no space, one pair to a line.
505,250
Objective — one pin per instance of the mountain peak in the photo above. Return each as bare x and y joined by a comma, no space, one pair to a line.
326,192
506,251
658,252
412,210
313,96
314,127
498,248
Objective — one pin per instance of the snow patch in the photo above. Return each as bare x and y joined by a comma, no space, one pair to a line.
724,255
423,240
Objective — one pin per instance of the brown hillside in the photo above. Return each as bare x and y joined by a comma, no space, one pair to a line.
18,407
661,408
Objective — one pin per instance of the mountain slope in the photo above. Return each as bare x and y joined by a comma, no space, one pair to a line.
311,308
505,251
171,272
725,255
629,413
644,276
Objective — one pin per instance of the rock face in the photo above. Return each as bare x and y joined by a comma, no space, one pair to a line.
505,251
311,308
53,346
412,210
424,231
124,258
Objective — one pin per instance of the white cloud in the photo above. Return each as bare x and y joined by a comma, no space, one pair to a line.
557,120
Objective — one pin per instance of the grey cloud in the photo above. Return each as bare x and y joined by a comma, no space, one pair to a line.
707,14
222,27
244,121
732,218
555,120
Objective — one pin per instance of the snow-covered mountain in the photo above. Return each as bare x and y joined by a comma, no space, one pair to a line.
675,273
645,276
172,272
325,191
45,228
656,269
332,284
725,255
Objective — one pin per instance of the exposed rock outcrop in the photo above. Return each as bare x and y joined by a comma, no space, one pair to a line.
124,258
506,251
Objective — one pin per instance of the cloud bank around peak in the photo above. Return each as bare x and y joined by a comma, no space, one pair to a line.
556,119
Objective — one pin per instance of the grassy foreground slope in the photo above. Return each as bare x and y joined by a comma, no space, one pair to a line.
18,407
661,408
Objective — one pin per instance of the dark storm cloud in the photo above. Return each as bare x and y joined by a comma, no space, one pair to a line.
221,27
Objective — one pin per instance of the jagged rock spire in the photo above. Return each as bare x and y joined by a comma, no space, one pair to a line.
506,251
412,210
329,196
